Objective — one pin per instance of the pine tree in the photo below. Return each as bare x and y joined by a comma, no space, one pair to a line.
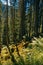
0,26
22,17
6,28
37,17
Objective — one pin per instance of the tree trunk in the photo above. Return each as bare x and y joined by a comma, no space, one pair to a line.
37,17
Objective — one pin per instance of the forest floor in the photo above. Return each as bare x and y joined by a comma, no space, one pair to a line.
32,54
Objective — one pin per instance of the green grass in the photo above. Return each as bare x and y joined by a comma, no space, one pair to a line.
33,57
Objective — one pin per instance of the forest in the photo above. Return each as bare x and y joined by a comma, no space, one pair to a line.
21,32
